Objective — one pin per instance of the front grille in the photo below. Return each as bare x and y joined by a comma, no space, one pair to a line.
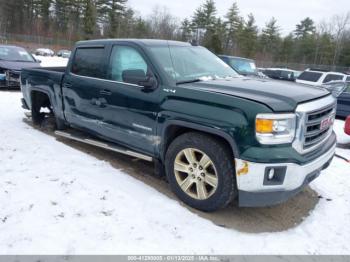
315,132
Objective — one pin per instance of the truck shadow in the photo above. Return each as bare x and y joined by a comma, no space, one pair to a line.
250,220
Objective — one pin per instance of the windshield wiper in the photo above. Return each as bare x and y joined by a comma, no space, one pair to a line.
189,81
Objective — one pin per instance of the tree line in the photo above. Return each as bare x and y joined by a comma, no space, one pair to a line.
325,43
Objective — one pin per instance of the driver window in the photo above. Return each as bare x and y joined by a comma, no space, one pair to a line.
125,58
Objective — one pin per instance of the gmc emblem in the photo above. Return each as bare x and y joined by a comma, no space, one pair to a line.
326,123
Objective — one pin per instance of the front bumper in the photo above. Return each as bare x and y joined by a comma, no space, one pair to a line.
257,189
11,79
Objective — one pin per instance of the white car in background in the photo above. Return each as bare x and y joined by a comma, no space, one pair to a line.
44,52
318,77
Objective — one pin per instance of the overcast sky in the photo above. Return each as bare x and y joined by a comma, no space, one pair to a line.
287,12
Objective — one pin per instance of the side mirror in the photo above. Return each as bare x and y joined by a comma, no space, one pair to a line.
38,60
138,77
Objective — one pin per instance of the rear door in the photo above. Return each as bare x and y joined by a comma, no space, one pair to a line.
82,85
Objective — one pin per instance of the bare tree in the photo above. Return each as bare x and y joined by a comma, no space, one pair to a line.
340,23
163,24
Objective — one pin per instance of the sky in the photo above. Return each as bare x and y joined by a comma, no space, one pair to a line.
287,12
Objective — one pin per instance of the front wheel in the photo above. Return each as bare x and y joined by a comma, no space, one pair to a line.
200,171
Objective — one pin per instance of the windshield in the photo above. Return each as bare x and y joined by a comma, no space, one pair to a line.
243,66
191,63
10,53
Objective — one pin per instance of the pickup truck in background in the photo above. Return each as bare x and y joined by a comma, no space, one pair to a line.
217,135
243,66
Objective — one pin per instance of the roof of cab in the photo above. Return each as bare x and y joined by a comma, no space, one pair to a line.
144,42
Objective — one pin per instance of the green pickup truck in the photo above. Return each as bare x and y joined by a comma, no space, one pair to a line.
217,136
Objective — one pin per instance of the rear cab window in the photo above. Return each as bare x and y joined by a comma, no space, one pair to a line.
89,62
310,76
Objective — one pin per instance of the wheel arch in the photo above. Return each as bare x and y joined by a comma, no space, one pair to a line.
175,128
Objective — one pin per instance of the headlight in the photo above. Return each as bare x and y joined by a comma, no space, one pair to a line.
275,128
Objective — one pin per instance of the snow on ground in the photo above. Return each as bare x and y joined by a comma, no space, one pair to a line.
342,138
47,61
58,200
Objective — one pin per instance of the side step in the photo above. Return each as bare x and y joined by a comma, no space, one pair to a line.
79,136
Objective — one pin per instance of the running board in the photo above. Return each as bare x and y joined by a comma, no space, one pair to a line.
78,136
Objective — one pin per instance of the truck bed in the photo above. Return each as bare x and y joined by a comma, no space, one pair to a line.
47,80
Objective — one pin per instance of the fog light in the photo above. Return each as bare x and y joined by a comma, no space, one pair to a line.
271,173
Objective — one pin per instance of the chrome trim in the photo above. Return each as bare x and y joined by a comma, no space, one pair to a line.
302,112
295,175
103,145
106,80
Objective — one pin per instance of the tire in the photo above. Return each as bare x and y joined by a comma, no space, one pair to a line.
207,188
48,124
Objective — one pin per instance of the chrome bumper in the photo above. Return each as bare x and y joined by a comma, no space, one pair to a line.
251,177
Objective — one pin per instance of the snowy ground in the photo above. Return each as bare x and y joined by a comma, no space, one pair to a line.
58,200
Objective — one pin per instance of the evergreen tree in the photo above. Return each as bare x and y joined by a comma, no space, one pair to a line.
305,41
270,39
186,30
248,38
111,13
305,28
89,19
233,25
204,20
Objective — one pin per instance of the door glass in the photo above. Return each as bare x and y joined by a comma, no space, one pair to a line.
89,62
331,77
125,58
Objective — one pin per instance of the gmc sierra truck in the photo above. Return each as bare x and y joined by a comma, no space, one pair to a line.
218,136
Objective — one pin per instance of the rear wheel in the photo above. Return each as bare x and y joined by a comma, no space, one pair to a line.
200,171
43,114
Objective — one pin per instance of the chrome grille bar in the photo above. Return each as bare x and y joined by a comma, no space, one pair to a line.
310,134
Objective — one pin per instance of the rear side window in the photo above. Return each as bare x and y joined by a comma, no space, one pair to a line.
310,76
89,62
331,77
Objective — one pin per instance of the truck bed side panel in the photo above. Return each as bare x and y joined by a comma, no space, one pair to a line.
46,80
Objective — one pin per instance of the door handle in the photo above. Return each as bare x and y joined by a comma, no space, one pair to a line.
106,92
67,85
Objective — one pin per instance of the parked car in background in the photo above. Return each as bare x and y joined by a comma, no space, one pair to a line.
12,60
64,53
281,73
323,78
347,126
44,52
317,77
343,102
244,66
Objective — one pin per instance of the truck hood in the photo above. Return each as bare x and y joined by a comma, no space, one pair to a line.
280,96
17,66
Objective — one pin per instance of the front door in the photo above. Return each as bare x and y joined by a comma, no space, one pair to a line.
130,113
